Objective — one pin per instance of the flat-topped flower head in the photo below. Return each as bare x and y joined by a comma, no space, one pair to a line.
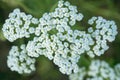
98,70
102,68
18,25
104,31
19,61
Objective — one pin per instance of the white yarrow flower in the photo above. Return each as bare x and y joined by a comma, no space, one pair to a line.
98,70
55,39
17,25
19,61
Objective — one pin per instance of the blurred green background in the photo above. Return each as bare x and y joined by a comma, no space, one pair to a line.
46,70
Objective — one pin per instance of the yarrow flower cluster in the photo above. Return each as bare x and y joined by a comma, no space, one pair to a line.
104,31
98,70
19,25
19,61
55,38
62,46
